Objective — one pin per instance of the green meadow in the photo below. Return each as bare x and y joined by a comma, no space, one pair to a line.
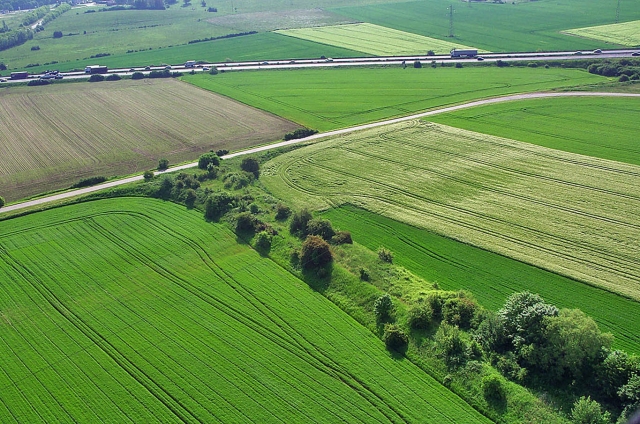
625,33
510,27
137,310
603,127
326,99
489,276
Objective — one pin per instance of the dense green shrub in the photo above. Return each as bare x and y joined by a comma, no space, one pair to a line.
299,133
251,165
383,307
1,201
299,221
364,274
263,240
450,346
137,75
96,78
208,158
459,311
385,254
282,211
163,164
417,64
587,411
320,227
86,182
245,221
342,237
493,389
113,77
394,338
217,204
237,180
420,316
315,253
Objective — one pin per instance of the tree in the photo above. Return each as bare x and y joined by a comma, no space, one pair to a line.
630,396
450,347
213,71
420,317
394,338
148,176
251,165
614,372
1,202
320,227
137,75
430,53
299,221
282,211
245,221
382,307
3,67
385,254
417,64
96,78
57,34
217,204
113,77
523,318
163,164
263,240
587,411
459,311
493,390
315,253
342,237
208,158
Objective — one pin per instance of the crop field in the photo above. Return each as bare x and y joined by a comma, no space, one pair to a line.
50,137
602,127
489,276
137,310
526,26
270,20
573,215
373,39
625,33
326,99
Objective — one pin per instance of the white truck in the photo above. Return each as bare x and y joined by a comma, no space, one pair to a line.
464,53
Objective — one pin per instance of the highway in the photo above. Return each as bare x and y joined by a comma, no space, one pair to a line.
358,61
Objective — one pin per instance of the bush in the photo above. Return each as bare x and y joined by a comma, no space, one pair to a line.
86,182
208,158
213,71
38,82
430,53
623,78
420,317
458,65
385,255
417,64
364,274
493,390
245,221
163,164
587,411
342,237
237,180
217,205
532,65
282,212
251,165
299,133
299,221
450,347
137,75
459,312
34,48
190,197
394,338
113,77
221,152
57,34
383,307
501,63
96,78
1,202
320,227
315,253
263,240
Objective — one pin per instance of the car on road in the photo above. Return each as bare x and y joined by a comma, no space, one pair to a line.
578,52
206,68
265,63
168,67
47,76
59,76
597,51
3,80
147,68
480,58
635,54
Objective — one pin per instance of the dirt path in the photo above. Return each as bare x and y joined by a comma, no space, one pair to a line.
468,105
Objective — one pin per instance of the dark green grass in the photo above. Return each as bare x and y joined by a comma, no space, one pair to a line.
137,310
490,277
526,26
326,99
607,128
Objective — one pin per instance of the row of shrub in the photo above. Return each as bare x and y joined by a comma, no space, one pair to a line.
299,133
237,34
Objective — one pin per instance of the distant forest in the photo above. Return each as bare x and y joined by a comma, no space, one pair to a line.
22,4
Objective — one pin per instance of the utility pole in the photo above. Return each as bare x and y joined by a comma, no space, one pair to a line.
618,12
451,20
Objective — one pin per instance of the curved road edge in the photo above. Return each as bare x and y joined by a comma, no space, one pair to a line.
468,105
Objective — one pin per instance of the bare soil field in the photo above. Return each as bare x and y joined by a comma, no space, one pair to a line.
269,21
51,137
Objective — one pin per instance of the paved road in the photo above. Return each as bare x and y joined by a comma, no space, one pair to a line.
468,105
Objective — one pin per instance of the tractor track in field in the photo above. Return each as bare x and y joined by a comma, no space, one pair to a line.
438,111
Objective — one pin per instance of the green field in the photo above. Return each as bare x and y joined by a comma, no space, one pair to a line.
136,310
247,48
625,33
51,137
326,99
567,213
373,39
602,127
524,26
489,276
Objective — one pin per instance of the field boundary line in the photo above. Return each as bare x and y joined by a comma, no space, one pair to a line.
447,109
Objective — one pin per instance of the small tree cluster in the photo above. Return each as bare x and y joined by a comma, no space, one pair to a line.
420,316
587,411
163,164
315,253
2,202
342,237
282,212
493,390
382,307
299,221
299,133
251,165
385,255
207,159
394,338
320,227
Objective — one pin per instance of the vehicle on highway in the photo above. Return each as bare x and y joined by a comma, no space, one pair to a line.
464,53
168,67
96,69
480,58
59,76
3,80
206,68
597,51
578,52
265,63
190,64
47,76
635,54
19,75
147,68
